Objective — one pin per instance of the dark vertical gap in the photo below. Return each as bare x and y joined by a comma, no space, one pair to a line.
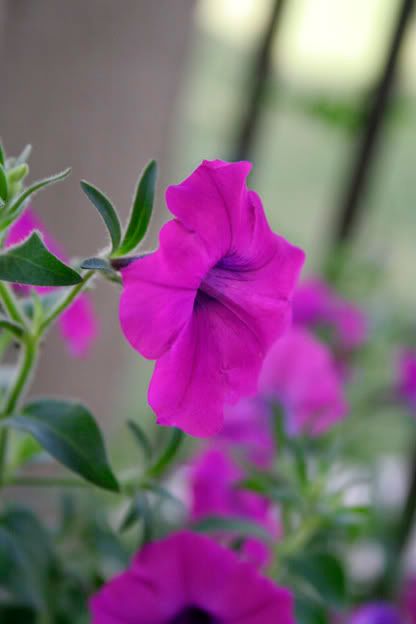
257,82
353,193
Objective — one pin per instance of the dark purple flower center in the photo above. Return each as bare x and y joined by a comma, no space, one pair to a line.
194,615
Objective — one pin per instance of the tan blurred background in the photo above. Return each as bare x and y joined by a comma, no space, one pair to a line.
91,84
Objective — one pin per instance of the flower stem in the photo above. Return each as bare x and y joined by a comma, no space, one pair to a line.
167,454
11,304
26,365
65,303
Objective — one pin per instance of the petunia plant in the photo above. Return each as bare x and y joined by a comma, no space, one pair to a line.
250,495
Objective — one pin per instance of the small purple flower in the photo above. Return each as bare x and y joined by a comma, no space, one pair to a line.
406,377
190,579
214,487
210,302
78,324
376,613
316,305
299,374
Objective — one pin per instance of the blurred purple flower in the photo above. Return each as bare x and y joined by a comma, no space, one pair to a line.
188,579
316,305
406,377
209,303
78,324
299,374
248,428
408,600
214,488
376,613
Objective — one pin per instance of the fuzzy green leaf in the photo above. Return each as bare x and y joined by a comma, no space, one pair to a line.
106,210
32,263
141,211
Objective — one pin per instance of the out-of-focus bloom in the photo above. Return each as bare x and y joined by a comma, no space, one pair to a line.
214,492
316,305
299,375
187,579
248,428
78,324
209,303
408,600
406,376
376,613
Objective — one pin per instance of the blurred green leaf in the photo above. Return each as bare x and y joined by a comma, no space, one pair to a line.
32,263
17,614
2,156
309,612
324,572
70,434
26,556
11,326
141,210
4,185
106,210
238,526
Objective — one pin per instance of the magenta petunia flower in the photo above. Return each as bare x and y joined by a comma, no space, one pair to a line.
78,324
248,429
209,303
406,377
316,305
214,489
190,579
299,374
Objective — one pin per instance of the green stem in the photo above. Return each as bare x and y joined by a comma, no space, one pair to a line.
167,454
65,303
11,304
28,360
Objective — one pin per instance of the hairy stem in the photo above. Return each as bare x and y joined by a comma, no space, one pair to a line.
65,303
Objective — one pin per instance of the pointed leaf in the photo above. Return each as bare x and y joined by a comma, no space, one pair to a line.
32,263
2,155
70,434
17,204
4,185
15,328
239,526
106,210
97,264
141,211
24,155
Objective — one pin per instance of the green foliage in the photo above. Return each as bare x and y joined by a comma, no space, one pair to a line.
141,210
107,212
32,263
70,434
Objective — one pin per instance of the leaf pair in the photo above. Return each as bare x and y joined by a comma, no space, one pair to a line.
68,431
140,214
